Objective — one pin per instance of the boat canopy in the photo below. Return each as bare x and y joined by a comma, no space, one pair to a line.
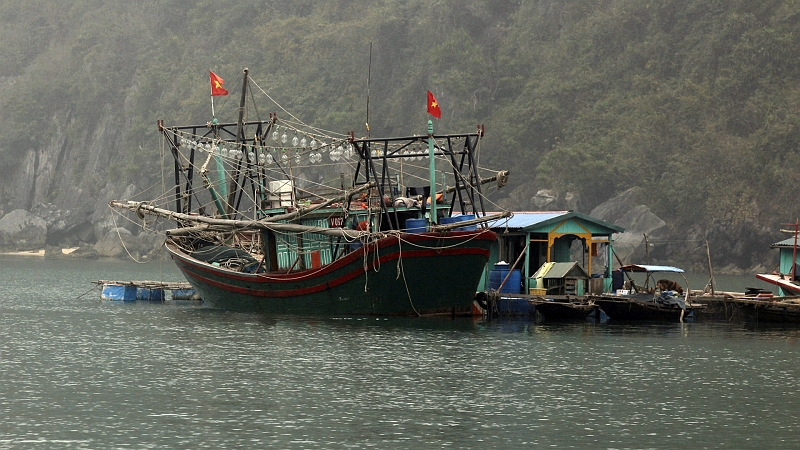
648,268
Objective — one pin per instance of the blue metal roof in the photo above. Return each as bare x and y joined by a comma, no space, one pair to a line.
528,220
525,219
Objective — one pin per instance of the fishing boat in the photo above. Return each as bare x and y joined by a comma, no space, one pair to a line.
662,300
395,237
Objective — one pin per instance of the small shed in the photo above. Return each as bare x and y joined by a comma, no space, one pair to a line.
565,278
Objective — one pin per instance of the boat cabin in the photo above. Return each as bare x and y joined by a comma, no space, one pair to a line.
528,240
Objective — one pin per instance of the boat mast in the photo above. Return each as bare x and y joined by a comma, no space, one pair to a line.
239,140
432,170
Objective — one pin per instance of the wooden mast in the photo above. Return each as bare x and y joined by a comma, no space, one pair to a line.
239,140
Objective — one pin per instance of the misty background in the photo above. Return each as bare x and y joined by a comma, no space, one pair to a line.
672,118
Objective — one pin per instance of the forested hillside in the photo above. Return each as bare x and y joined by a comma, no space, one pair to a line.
696,102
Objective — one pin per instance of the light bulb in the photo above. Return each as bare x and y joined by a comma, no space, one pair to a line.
269,158
284,157
313,142
275,134
303,142
284,138
295,141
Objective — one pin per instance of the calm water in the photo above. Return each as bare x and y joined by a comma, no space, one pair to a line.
78,373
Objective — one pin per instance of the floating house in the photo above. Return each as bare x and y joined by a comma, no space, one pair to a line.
528,240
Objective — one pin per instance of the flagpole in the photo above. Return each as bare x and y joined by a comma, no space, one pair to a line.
432,170
211,91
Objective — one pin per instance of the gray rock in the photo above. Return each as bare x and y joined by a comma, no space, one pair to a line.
112,244
65,228
613,209
638,221
103,219
22,231
120,243
545,199
56,252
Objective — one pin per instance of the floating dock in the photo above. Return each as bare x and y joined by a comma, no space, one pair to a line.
153,291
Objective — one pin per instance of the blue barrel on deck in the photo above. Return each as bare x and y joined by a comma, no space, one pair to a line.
449,220
468,227
499,274
416,226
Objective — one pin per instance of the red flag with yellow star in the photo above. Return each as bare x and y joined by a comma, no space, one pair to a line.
216,85
433,106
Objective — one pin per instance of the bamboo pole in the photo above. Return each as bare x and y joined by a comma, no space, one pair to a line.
303,211
467,223
501,174
710,270
230,224
511,269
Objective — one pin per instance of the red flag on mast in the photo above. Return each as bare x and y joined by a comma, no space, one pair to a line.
216,85
433,106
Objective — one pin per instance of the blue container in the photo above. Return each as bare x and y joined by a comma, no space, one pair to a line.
416,226
499,273
150,295
183,294
449,220
468,227
118,293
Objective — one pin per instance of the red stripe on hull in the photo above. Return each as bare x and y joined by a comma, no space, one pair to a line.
200,272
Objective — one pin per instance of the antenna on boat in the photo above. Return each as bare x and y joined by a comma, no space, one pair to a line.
239,139
369,79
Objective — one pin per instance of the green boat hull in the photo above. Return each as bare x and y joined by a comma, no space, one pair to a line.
404,274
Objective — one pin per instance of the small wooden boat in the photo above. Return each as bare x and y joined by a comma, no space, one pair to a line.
563,310
640,307
661,300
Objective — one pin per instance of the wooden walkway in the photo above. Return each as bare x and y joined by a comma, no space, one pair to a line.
171,285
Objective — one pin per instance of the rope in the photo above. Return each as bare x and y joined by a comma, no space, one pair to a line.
121,241
401,270
90,290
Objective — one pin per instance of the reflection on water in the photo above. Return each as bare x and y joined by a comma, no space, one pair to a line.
75,372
